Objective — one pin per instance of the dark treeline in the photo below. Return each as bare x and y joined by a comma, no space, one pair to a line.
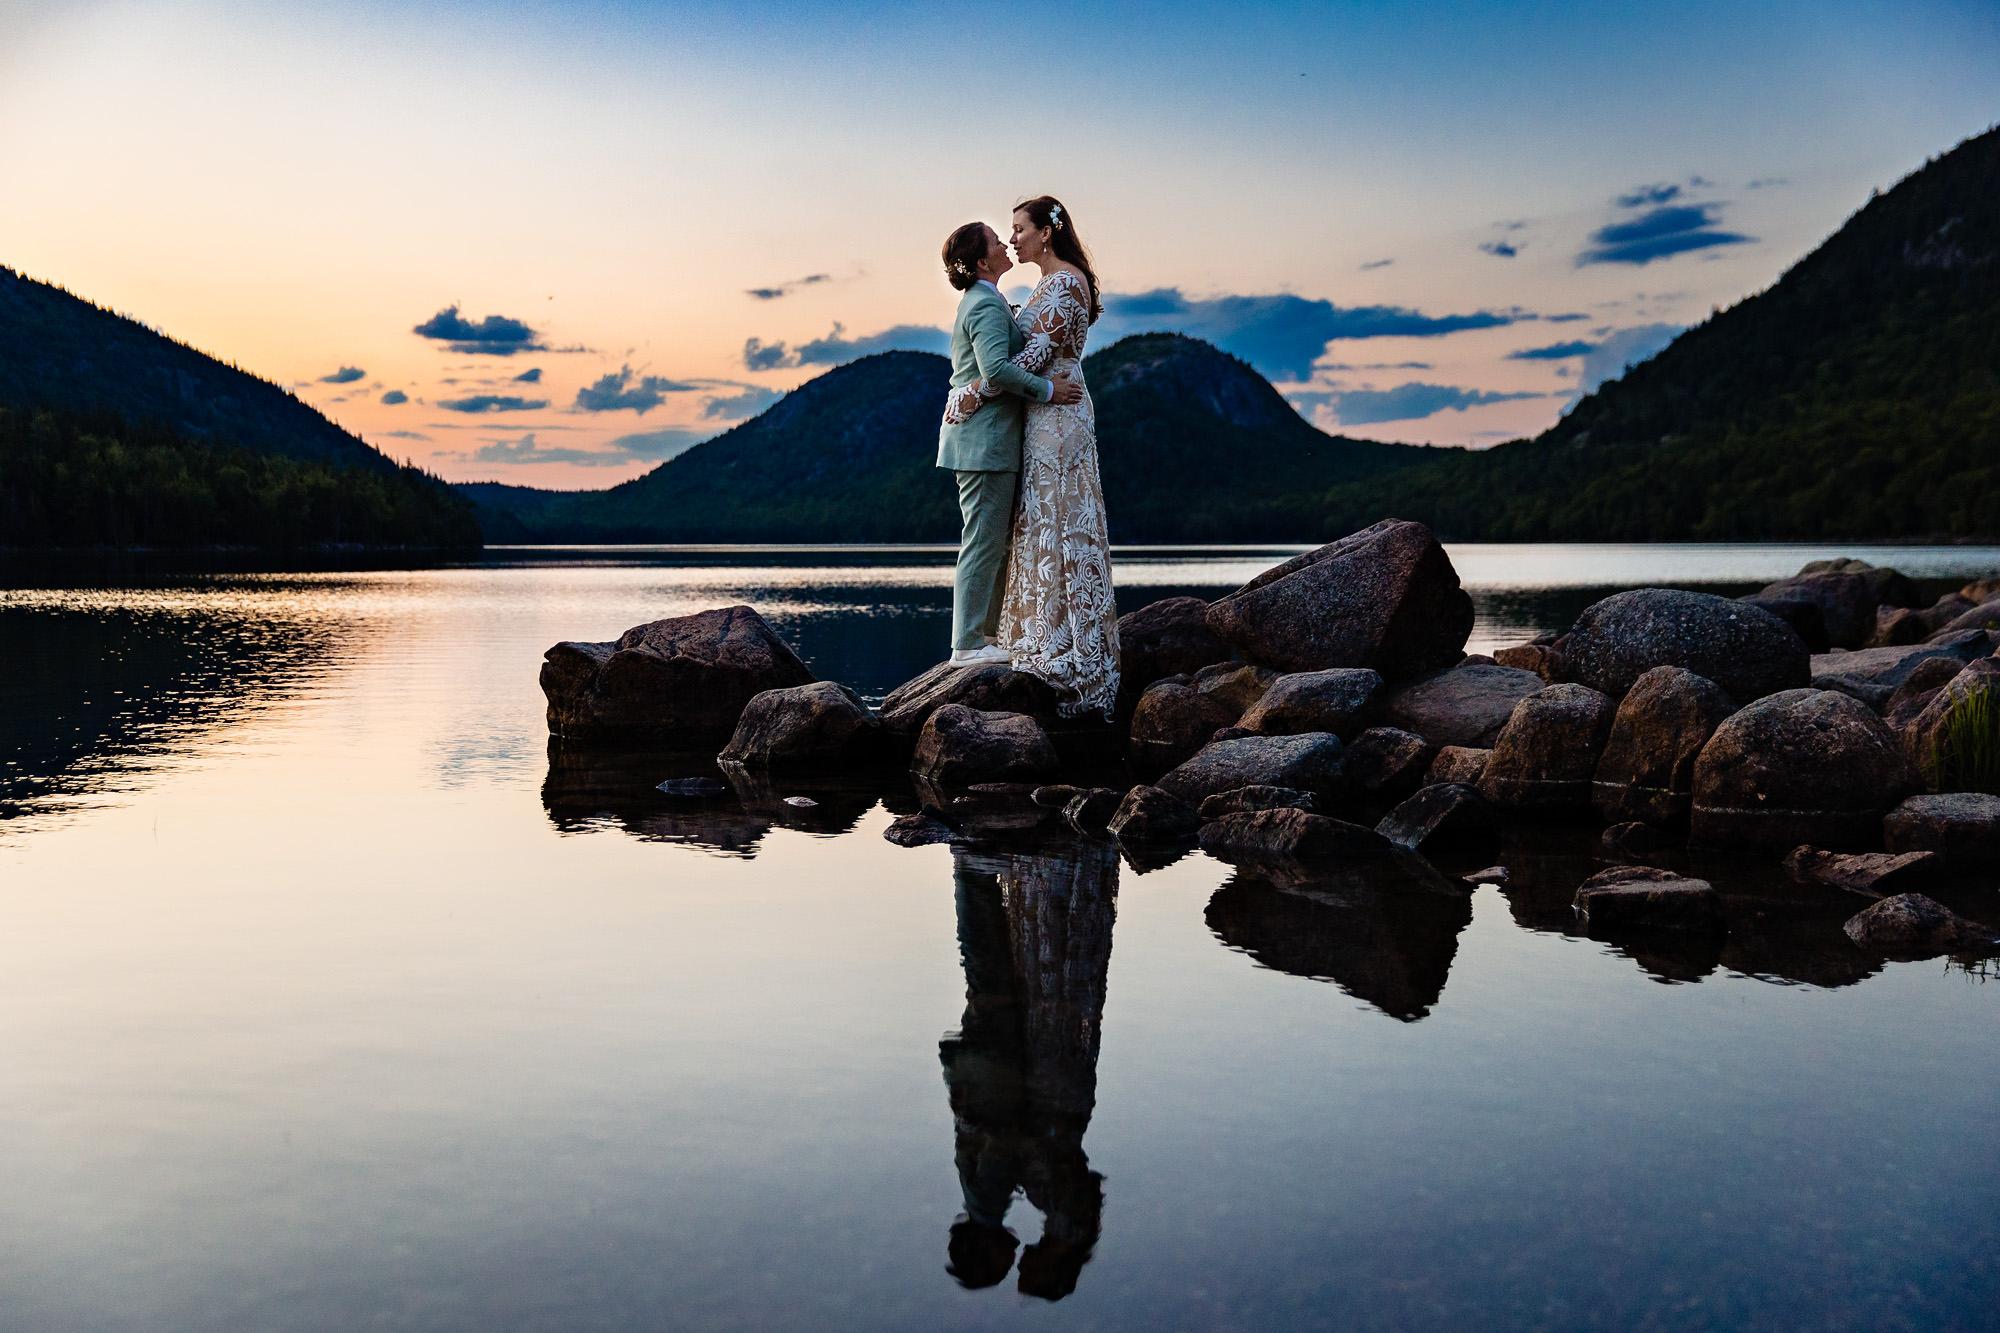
77,479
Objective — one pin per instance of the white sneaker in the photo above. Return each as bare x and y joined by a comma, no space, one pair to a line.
987,656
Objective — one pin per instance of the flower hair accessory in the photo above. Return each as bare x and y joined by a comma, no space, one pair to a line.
1056,216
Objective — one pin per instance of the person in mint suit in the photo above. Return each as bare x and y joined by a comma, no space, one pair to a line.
983,449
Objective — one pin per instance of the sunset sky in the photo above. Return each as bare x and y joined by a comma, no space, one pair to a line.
553,244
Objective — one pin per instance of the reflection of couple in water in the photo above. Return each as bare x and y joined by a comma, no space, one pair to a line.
1034,931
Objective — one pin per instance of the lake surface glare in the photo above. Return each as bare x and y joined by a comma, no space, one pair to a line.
332,996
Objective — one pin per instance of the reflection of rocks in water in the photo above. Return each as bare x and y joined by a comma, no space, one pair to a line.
591,787
1372,931
1794,948
1034,932
1669,956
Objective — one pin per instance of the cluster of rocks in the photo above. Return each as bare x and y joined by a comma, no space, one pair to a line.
1327,711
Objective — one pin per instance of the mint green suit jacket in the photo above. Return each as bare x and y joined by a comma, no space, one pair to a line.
983,336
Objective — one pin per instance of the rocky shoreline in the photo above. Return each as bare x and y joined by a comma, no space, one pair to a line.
1326,715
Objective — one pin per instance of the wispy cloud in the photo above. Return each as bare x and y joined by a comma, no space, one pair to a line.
487,402
1405,402
1376,263
1620,351
1659,233
837,349
1502,249
1553,352
529,376
393,397
787,288
402,435
620,390
1280,335
1649,194
649,447
345,375
495,335
734,407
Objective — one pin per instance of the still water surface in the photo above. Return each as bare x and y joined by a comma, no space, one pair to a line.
330,999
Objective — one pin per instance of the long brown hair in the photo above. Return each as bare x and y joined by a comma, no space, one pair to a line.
1045,210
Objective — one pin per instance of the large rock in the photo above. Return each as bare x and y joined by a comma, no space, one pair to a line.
1543,659
1385,598
1812,766
1169,637
1466,706
1962,827
1804,618
961,745
1898,625
1846,603
1985,617
678,681
1237,686
1943,740
1647,770
1385,764
1265,836
1909,700
1149,815
1893,666
1310,761
1891,587
1342,701
1444,814
823,724
995,688
1747,651
1545,757
1644,898
1912,926
1173,721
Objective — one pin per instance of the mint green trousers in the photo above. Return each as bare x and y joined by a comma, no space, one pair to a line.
986,504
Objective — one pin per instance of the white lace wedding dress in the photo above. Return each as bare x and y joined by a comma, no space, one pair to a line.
1059,621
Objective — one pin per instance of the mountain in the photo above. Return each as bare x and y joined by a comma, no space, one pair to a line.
1857,397
112,434
1193,445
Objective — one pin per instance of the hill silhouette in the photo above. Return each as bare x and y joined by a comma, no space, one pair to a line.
1857,397
113,434
1193,444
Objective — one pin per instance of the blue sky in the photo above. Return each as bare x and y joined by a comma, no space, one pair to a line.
560,242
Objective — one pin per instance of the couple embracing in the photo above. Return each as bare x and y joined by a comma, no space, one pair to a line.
1033,586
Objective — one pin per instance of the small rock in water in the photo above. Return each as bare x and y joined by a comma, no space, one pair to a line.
802,802
1912,926
1056,795
1876,874
1003,788
693,787
1635,840
1090,811
917,831
1490,875
1648,898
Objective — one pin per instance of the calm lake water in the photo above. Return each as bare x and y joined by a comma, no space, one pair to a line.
332,998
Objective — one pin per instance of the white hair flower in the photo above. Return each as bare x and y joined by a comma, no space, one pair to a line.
1055,215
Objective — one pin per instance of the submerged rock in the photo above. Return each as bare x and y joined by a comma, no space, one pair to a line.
1545,756
677,681
818,725
918,830
1149,815
1810,766
1647,770
1746,650
1466,706
1267,836
1386,598
1912,926
1311,761
1642,897
1090,811
961,745
1341,700
1635,841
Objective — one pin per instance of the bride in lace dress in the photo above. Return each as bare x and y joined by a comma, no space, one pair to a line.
1060,622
